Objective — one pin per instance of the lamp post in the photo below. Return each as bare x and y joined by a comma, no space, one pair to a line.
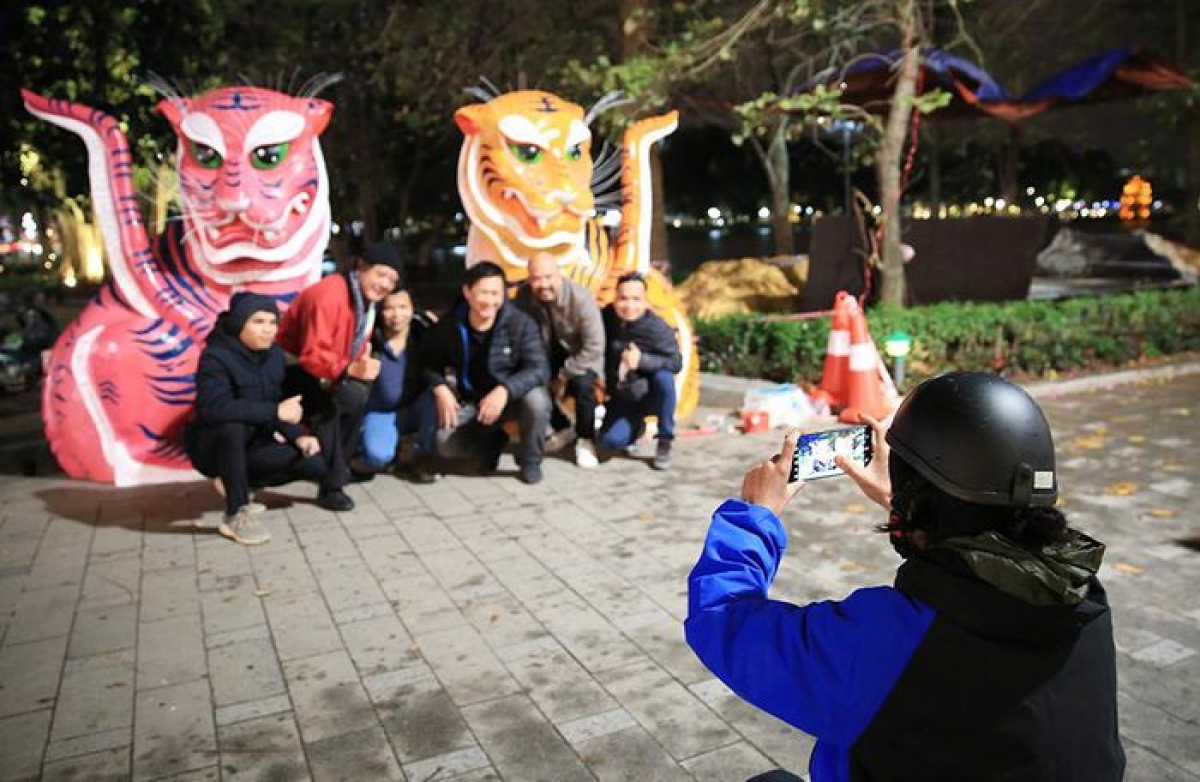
847,128
897,345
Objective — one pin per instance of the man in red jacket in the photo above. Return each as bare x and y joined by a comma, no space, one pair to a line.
328,330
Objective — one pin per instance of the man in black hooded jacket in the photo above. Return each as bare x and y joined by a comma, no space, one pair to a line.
242,431
992,656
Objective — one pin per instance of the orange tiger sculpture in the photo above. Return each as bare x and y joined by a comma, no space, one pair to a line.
529,184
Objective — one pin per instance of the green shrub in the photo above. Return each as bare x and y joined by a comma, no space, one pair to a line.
1028,338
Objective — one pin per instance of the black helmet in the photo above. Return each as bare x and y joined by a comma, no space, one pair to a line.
979,438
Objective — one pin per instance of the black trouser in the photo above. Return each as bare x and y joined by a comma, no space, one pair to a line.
333,414
581,388
471,439
242,456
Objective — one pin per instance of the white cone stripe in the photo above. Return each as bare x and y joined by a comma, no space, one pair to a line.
839,343
863,358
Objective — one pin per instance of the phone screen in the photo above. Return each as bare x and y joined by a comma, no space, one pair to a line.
815,451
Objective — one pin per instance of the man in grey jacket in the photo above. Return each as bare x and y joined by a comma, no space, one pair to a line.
573,333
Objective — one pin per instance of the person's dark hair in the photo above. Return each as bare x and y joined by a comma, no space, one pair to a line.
917,504
481,271
632,277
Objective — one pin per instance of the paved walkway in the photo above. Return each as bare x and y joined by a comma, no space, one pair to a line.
481,629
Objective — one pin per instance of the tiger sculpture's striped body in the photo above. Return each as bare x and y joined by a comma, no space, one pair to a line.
526,177
121,378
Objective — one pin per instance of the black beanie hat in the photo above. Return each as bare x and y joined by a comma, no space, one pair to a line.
242,306
384,254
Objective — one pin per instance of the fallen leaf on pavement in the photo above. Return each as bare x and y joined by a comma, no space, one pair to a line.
1125,567
1137,438
1162,513
1089,442
263,592
1121,488
855,508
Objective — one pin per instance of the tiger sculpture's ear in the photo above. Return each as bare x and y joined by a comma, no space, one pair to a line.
319,111
173,109
468,119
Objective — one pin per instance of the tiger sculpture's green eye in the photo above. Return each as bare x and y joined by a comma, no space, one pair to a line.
268,156
575,153
526,153
205,156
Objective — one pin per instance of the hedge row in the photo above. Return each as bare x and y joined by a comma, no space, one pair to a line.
1027,338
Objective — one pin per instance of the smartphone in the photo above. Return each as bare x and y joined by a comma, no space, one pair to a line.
814,453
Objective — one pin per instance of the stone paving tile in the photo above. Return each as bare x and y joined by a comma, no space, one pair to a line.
422,604
43,613
23,737
448,766
246,671
170,592
174,731
726,763
301,625
346,585
560,686
110,765
170,651
231,609
94,699
111,583
267,747
1148,725
521,743
118,739
105,629
465,665
379,644
423,723
631,755
329,698
675,717
248,710
366,752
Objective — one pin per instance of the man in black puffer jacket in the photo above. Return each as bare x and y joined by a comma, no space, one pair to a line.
486,364
242,431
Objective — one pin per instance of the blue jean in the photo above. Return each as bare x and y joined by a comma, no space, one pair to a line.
381,430
624,419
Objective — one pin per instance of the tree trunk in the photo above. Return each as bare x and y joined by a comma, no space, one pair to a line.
1010,167
888,167
774,161
935,169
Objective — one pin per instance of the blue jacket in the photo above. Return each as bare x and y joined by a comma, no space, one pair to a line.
942,677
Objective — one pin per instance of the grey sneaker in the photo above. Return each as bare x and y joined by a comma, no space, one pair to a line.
243,528
254,507
560,440
662,455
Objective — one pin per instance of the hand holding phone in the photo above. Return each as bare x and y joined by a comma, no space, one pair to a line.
815,455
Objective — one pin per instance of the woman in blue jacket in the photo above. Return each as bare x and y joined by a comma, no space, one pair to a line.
242,431
991,657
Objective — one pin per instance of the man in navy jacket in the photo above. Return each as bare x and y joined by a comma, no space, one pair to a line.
242,430
992,656
486,364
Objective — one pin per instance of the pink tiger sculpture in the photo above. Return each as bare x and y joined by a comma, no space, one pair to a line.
255,203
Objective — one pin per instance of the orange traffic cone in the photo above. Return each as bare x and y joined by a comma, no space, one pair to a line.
832,390
869,387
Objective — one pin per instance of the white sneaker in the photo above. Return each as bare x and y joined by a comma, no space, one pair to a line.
585,454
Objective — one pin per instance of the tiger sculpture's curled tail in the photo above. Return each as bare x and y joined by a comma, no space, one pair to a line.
528,183
255,216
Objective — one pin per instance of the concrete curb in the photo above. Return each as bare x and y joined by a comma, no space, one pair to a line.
728,391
